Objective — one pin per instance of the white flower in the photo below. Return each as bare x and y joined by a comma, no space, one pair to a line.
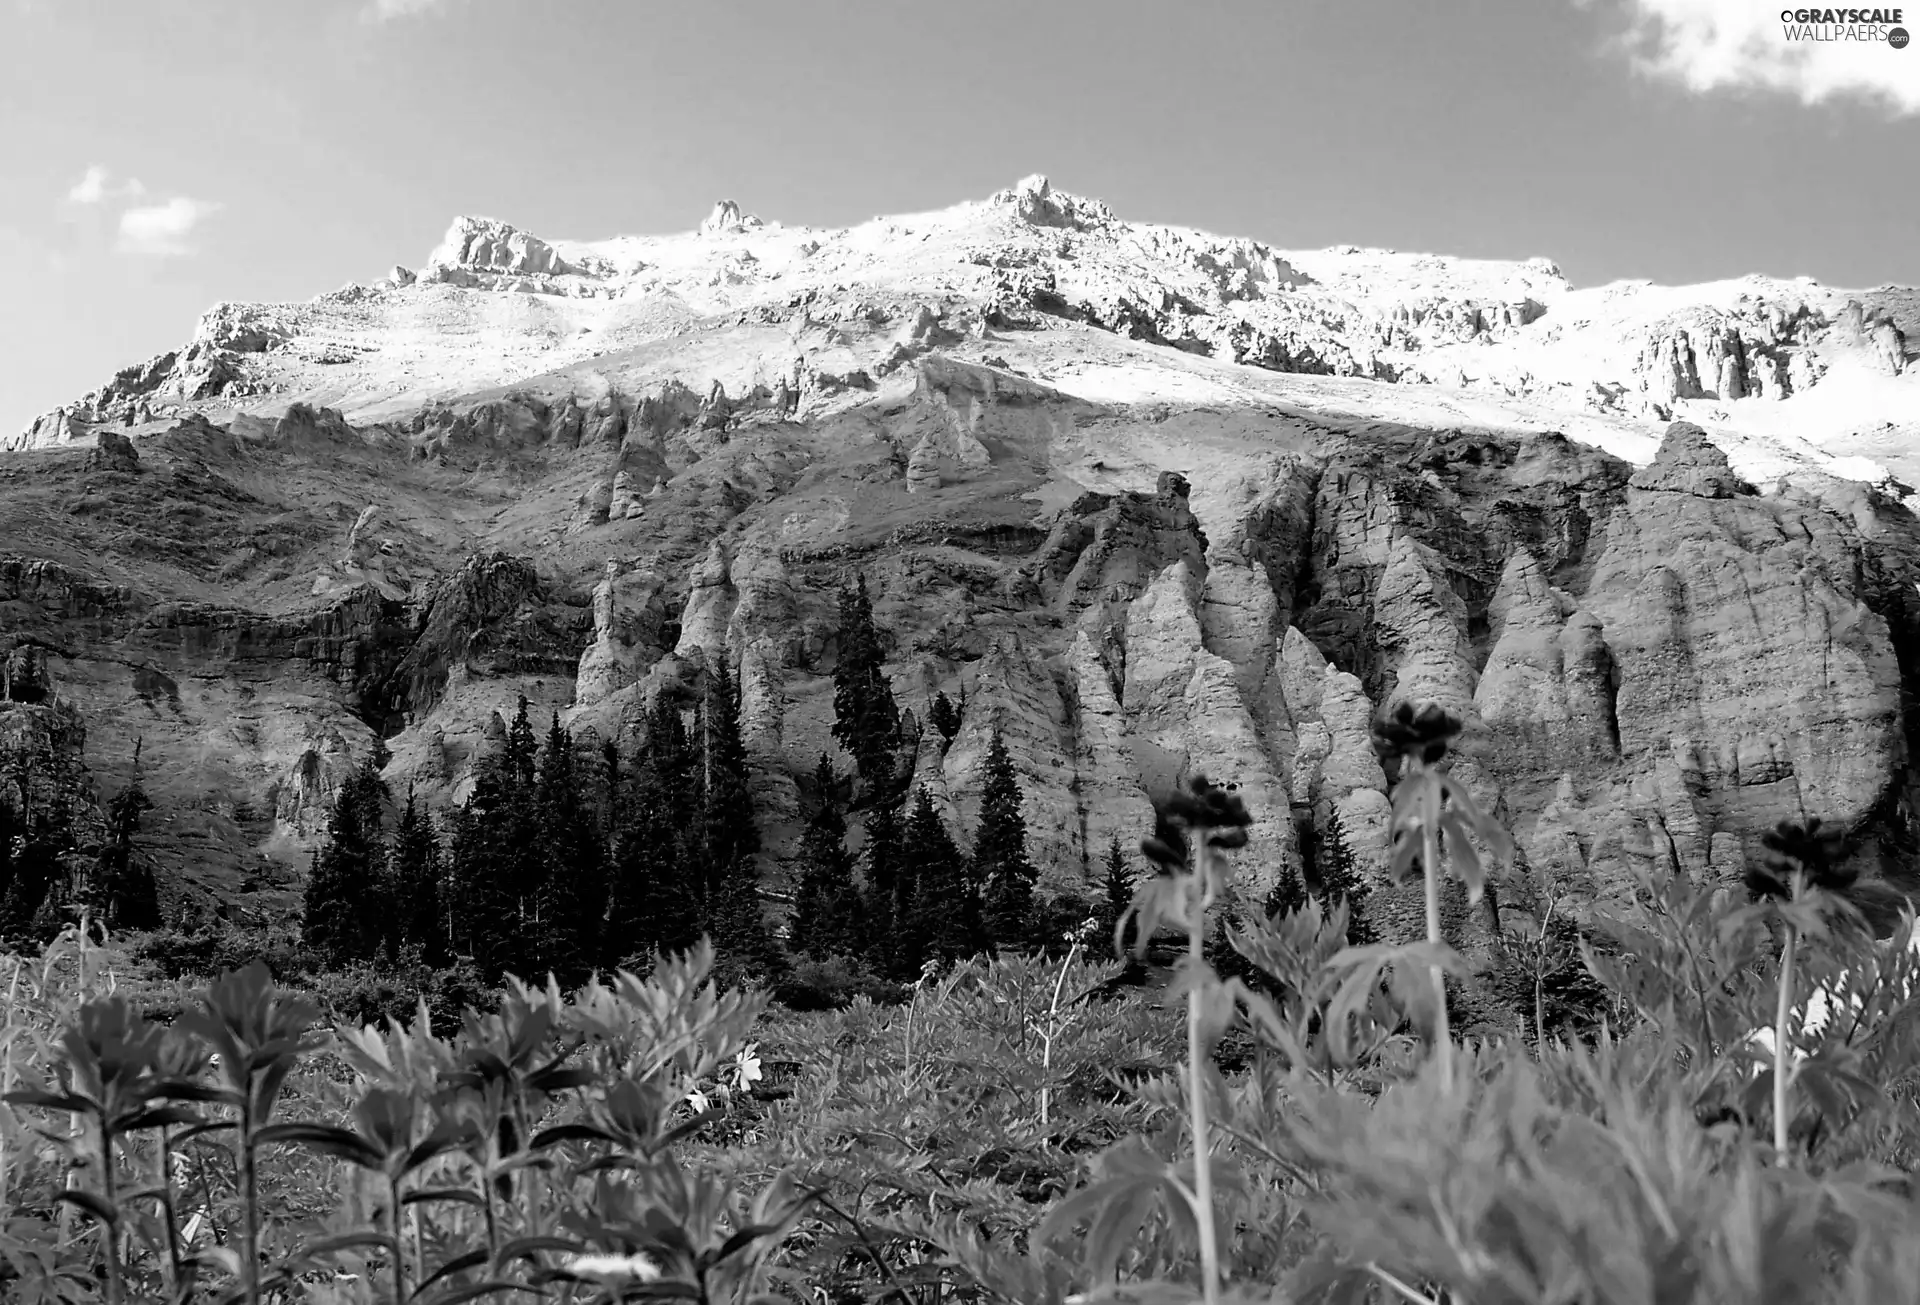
1819,1009
699,1101
622,1268
746,1066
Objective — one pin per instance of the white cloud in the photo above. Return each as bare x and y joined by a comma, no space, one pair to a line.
383,11
1708,45
98,186
162,230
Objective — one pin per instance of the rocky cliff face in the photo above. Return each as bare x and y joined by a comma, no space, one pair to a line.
1141,542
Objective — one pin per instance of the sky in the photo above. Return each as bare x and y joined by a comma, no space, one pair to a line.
158,156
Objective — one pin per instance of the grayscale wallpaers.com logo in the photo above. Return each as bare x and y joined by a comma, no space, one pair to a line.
1845,25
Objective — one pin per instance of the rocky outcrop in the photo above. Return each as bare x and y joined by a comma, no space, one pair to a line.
113,452
727,219
480,244
1546,692
1690,463
628,617
48,805
1184,715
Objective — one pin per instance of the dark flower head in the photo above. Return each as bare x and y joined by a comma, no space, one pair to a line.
1813,849
1407,734
1200,806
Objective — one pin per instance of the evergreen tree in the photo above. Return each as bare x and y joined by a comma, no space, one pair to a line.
496,864
730,837
941,918
522,748
942,716
826,914
1000,864
1116,895
612,778
132,899
1339,876
888,889
413,861
1287,895
344,902
572,897
9,832
654,905
866,720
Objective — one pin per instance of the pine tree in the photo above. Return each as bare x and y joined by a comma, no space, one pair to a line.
496,863
1287,895
653,902
132,897
726,808
826,914
1116,896
942,716
413,873
1339,876
866,720
522,748
572,894
942,915
344,906
9,831
887,890
1000,864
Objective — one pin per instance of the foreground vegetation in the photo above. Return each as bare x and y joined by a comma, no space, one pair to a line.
1302,1127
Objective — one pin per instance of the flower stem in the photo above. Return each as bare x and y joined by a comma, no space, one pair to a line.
1197,1086
399,1282
1781,1052
110,1232
1442,1031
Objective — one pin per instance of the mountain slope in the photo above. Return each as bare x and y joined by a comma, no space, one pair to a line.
1158,500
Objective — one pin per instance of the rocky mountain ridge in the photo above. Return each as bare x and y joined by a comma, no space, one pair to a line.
1157,501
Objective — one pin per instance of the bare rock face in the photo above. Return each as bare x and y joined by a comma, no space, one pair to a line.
1739,633
1112,804
1104,551
1546,692
1185,715
1422,627
114,452
48,792
627,620
1016,695
304,797
710,601
1690,463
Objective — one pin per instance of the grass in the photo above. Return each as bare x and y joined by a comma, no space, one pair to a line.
1016,1131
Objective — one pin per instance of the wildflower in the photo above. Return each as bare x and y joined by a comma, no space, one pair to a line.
1203,806
1810,849
699,1100
746,1066
1422,735
614,1268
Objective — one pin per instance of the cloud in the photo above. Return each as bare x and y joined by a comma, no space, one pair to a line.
162,230
384,11
97,186
1710,45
